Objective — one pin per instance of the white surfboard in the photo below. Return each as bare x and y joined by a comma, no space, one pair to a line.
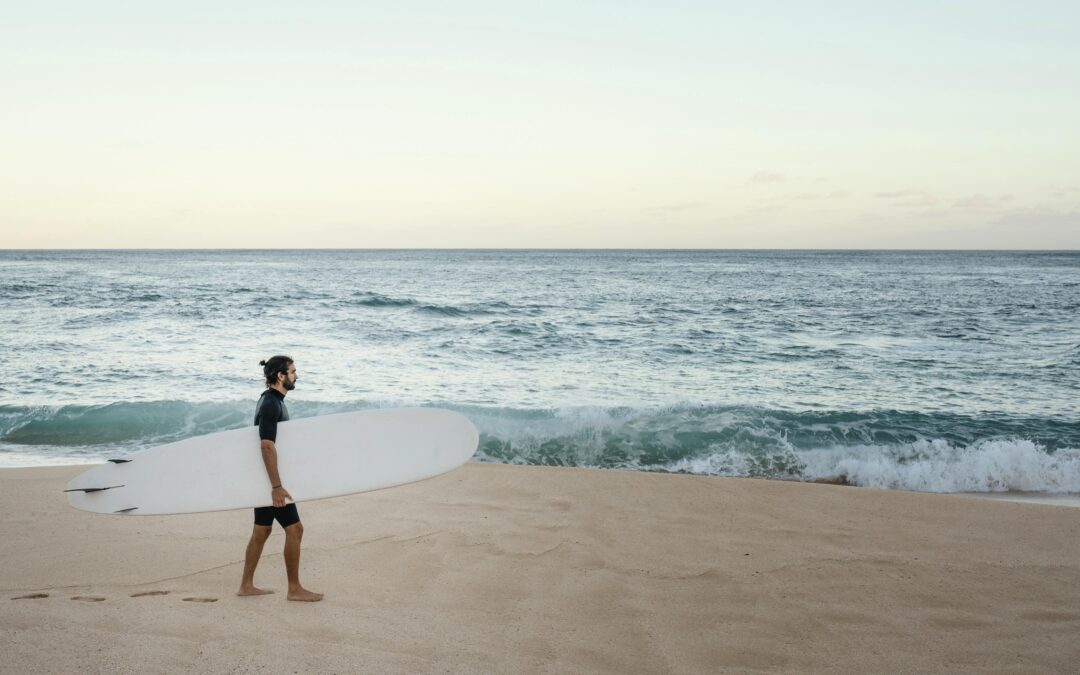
318,457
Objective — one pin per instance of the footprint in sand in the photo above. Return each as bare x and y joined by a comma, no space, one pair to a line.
145,593
89,598
200,599
32,596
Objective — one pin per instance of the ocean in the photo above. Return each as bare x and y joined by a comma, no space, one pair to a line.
933,371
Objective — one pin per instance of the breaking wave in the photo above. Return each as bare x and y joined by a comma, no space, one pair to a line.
883,448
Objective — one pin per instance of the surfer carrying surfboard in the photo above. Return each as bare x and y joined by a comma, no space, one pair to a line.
281,377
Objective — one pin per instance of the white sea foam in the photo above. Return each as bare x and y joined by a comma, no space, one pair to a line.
17,457
937,466
924,466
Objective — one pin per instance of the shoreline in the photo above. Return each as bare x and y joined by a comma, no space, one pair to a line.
499,568
1063,499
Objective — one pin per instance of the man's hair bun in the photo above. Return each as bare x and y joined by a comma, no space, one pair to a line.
262,363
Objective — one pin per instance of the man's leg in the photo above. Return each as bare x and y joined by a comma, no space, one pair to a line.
293,535
259,535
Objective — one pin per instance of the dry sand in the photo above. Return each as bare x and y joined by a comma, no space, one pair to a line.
500,569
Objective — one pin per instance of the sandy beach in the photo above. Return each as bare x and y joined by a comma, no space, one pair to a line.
500,569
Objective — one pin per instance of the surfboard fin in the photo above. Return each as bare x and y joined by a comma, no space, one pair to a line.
93,489
119,461
130,508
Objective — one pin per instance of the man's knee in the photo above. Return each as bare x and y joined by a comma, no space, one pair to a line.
261,532
296,530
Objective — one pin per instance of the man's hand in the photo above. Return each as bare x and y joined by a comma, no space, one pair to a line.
279,495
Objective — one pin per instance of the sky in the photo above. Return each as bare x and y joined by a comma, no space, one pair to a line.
553,124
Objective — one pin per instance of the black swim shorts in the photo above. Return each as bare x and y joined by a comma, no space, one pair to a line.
286,515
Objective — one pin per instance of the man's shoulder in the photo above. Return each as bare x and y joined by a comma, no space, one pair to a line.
267,401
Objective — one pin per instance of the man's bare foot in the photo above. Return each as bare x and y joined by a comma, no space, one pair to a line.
251,590
304,595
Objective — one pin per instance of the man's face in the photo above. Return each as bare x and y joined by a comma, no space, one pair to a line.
288,380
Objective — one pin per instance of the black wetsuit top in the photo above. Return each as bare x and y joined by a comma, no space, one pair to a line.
268,412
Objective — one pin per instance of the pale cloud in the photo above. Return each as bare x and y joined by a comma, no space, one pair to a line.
1062,191
767,177
909,199
920,202
1041,217
980,202
669,208
820,195
771,207
931,214
1036,228
900,194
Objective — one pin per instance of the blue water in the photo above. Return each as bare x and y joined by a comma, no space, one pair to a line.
940,371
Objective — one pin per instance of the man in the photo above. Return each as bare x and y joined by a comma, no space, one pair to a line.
280,372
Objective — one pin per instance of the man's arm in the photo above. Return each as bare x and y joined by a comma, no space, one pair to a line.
269,454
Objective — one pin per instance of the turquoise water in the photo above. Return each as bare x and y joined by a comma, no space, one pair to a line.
941,371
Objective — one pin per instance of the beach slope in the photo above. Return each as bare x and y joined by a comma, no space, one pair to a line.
494,568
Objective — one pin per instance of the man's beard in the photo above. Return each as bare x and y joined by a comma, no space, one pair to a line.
288,384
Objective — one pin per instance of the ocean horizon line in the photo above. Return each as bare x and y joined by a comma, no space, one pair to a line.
544,249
